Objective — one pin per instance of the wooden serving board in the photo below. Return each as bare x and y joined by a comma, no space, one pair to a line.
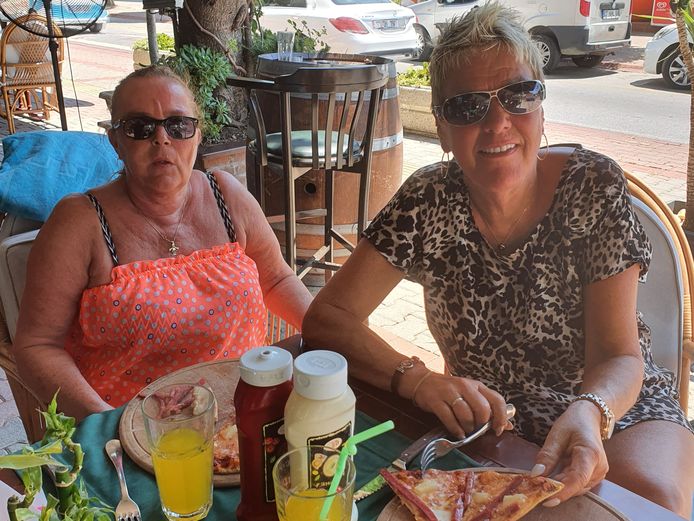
581,508
221,376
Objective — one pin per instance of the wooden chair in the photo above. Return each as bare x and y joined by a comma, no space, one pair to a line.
26,70
333,142
666,297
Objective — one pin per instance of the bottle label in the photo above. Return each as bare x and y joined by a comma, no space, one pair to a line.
324,462
274,446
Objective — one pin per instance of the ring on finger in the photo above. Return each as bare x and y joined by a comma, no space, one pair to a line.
458,399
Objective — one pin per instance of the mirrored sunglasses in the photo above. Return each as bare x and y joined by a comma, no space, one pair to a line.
177,127
471,107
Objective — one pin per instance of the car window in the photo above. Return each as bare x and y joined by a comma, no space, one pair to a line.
353,2
285,3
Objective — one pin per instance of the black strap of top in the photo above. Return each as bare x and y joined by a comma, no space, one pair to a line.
105,228
217,195
223,210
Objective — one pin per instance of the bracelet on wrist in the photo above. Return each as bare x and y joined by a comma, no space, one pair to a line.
400,370
418,385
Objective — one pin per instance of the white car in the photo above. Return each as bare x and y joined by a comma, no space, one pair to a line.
376,27
582,30
662,56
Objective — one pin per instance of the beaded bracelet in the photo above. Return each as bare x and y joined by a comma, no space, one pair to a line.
418,385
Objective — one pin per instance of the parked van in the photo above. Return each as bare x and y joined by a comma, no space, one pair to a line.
585,30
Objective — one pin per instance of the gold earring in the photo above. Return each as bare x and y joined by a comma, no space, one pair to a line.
445,157
546,147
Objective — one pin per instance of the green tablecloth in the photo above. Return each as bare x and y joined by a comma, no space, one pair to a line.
100,476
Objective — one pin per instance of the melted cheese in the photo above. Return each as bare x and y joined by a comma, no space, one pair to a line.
514,498
441,515
480,497
426,488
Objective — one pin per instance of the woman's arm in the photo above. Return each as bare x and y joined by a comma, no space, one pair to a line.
613,370
336,321
57,273
284,294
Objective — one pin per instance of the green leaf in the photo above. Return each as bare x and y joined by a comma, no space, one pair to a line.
26,461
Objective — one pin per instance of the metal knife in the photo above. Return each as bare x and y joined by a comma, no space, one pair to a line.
405,458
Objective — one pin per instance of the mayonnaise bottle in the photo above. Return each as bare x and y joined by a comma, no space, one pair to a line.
320,409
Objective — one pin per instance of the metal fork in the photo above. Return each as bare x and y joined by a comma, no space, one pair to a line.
441,446
127,509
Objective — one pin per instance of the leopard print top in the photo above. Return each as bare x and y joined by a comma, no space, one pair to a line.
515,321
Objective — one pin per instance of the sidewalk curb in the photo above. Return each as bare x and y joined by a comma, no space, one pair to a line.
622,66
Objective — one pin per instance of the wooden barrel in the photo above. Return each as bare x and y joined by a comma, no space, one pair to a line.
386,165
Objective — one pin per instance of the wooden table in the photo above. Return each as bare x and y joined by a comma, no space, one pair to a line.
507,451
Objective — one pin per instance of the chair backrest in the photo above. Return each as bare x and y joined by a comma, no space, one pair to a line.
25,58
661,296
12,224
659,221
338,97
14,252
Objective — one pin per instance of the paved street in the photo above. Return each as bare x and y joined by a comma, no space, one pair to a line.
661,161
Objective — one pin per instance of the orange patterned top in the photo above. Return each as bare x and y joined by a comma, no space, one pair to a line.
158,316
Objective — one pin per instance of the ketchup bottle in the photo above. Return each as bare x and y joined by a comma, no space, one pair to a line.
260,397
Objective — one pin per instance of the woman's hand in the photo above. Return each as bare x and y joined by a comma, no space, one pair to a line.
462,404
574,450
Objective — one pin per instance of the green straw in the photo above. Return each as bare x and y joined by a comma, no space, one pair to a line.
350,449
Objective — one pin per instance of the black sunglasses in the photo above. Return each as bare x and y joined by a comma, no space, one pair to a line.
143,127
471,107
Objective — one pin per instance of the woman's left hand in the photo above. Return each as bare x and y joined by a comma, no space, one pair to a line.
574,450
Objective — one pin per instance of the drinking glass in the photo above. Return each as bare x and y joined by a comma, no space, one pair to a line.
285,45
302,478
181,448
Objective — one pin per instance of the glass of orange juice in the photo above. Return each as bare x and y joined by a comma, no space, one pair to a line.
179,420
302,478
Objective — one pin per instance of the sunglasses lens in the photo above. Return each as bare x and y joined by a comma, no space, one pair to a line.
466,109
139,128
522,97
180,127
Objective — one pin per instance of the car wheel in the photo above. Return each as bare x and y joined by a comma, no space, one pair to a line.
588,60
675,71
548,50
96,28
424,46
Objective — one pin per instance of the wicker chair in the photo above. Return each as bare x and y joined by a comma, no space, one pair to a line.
26,71
666,301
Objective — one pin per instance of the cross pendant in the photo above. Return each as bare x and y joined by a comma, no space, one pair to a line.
173,249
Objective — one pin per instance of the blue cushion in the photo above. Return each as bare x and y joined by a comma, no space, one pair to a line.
40,168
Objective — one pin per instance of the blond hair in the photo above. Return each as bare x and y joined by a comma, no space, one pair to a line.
485,27
153,71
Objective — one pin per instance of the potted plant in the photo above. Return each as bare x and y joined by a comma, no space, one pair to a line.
62,457
223,144
165,44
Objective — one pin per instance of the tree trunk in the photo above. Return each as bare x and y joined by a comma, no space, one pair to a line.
217,24
689,63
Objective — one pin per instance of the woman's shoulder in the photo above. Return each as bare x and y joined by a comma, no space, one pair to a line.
428,180
588,171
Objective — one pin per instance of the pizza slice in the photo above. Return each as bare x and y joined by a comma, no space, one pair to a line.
226,448
465,495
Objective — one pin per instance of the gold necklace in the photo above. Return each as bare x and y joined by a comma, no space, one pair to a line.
173,247
500,245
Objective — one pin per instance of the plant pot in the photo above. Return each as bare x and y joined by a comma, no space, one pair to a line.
415,111
230,157
141,57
